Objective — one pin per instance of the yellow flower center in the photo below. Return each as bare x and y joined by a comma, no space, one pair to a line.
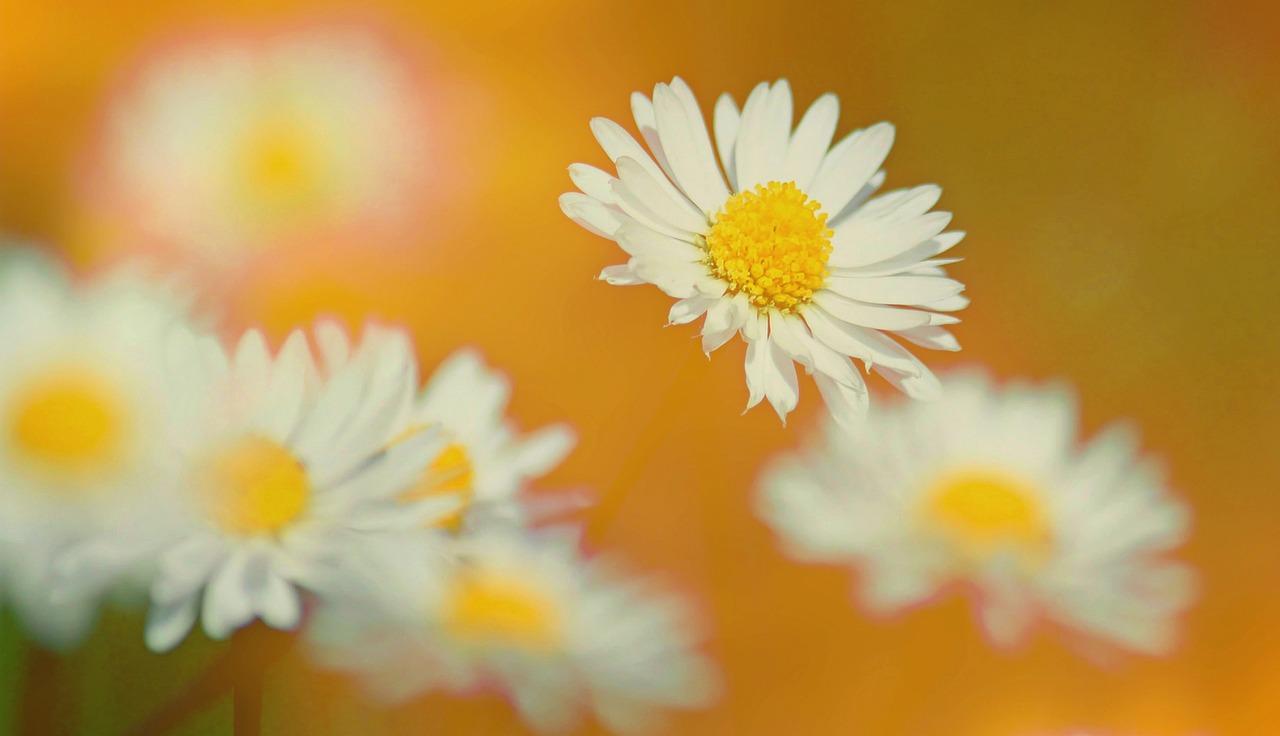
488,608
69,422
982,513
281,163
450,473
254,485
771,243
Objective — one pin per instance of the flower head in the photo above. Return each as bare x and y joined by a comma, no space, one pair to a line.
523,614
780,241
85,415
987,488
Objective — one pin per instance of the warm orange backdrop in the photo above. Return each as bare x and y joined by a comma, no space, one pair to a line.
1117,167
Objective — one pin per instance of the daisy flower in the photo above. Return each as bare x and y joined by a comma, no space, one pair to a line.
524,615
780,242
987,488
84,417
284,472
221,145
487,462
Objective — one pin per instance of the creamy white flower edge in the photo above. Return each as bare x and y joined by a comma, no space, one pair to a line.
116,325
629,652
852,499
885,274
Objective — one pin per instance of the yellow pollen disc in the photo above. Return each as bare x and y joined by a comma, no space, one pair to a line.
280,162
771,243
69,422
486,608
255,486
450,473
982,513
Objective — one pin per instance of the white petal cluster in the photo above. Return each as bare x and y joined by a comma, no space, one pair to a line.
880,274
317,481
988,488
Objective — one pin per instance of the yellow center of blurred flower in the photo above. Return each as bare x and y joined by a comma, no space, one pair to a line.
771,243
983,513
487,608
69,422
254,486
281,162
450,473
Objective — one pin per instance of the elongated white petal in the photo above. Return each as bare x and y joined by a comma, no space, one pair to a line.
593,182
863,242
749,158
869,346
679,212
810,142
849,166
639,240
909,290
620,276
617,142
847,404
592,215
687,310
647,124
727,122
876,316
688,146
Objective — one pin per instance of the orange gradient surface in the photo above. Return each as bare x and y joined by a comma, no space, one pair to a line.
1116,165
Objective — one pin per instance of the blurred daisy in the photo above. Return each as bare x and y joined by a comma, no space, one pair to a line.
988,488
243,142
84,420
284,474
781,242
525,615
486,463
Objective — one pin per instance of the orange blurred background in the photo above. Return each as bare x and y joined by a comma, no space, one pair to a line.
1115,164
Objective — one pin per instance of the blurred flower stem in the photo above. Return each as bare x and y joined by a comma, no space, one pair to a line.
43,702
240,669
669,409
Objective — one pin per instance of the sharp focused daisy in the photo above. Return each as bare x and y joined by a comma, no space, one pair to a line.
988,488
84,417
781,241
283,471
219,145
526,616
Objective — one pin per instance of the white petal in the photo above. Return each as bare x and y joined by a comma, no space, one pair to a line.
647,123
617,142
869,315
274,598
850,165
538,452
687,310
638,209
676,278
688,146
751,152
620,276
909,259
908,290
923,385
781,387
863,242
679,212
929,336
867,345
727,120
757,368
593,182
226,603
810,142
168,624
592,215
847,404
639,240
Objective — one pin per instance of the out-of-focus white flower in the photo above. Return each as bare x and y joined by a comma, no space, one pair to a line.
525,615
780,242
221,145
85,415
284,475
989,489
486,463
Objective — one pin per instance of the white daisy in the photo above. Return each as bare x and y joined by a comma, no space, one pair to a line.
524,614
487,463
989,489
84,419
284,472
241,142
784,245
